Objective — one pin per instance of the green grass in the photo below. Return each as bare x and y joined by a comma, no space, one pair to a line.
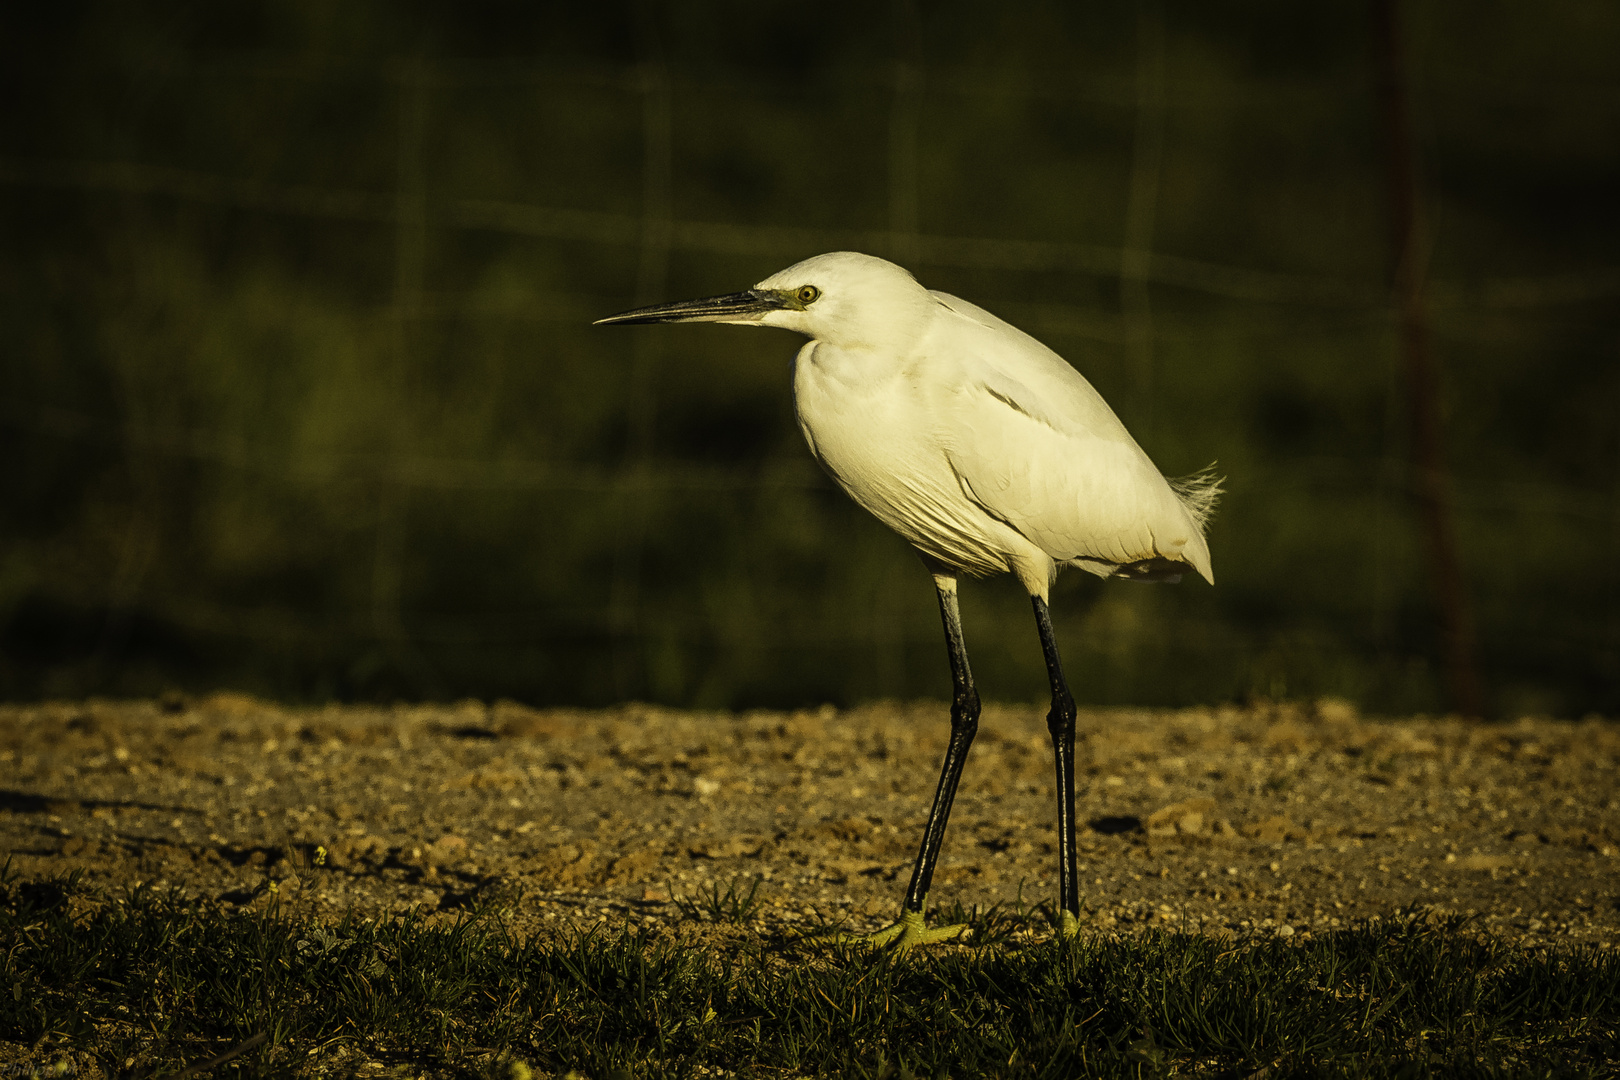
170,983
732,906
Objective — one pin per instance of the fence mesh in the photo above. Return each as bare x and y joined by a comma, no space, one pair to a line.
302,395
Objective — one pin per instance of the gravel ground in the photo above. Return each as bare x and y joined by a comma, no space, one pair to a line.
1279,819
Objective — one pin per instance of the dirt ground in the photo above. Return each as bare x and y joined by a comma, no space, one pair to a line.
1280,819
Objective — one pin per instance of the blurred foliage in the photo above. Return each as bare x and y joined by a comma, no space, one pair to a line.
300,394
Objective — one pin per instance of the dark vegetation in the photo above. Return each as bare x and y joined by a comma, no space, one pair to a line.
160,982
298,393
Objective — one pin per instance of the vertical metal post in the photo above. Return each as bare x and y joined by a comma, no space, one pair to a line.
886,616
1431,479
641,393
903,119
410,274
1141,208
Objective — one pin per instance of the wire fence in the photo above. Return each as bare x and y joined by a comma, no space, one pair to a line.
1311,305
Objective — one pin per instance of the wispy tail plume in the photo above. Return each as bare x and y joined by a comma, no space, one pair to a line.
1199,492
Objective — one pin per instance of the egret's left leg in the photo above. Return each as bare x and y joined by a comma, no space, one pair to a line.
911,930
1060,723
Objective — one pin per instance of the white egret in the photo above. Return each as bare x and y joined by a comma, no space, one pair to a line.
985,450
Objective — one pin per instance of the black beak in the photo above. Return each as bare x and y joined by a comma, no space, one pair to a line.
730,307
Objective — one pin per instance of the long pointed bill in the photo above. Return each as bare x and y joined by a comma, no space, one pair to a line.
733,307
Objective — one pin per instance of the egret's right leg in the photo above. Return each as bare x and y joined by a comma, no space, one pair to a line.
911,930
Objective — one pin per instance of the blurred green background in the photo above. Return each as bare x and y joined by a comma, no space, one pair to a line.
300,395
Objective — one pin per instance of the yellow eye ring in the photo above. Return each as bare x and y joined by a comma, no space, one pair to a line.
808,294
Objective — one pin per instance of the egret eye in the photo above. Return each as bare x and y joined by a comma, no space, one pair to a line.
808,294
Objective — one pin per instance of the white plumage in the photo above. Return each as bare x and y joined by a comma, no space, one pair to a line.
971,439
985,450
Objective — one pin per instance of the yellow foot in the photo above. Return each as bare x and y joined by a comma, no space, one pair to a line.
1068,926
902,935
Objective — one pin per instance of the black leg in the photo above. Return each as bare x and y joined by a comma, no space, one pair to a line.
1060,722
964,725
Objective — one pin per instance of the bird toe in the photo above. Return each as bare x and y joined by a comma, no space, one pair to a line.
908,931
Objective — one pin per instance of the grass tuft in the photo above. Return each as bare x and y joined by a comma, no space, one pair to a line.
154,983
733,906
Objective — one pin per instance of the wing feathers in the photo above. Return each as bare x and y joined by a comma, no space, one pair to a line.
1085,497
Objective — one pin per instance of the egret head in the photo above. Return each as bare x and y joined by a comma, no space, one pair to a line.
843,297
